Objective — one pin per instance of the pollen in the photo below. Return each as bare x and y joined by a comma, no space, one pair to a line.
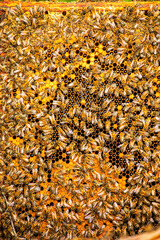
119,107
83,101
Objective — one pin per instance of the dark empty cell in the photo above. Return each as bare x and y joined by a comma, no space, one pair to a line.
76,210
64,13
62,209
49,175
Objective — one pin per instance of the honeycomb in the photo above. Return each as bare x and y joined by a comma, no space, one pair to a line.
79,123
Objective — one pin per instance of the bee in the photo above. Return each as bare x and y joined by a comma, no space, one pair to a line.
113,135
100,124
68,130
83,125
89,116
123,123
120,58
26,191
59,165
146,123
106,103
123,146
122,136
115,206
71,112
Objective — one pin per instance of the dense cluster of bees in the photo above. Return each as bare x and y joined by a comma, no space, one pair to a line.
79,123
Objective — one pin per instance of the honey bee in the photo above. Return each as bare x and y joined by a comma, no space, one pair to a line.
100,124
120,59
123,123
